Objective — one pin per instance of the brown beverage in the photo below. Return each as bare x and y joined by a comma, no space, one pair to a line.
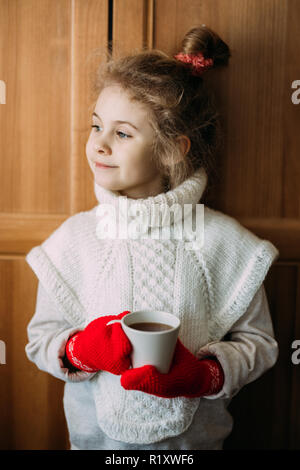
150,326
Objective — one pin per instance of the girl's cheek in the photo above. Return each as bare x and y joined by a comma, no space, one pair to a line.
88,146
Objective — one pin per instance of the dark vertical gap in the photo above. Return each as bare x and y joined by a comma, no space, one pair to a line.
110,24
145,25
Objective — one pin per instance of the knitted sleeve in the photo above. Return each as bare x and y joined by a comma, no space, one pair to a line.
250,348
48,334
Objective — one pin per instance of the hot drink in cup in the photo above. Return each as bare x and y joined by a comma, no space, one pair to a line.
153,335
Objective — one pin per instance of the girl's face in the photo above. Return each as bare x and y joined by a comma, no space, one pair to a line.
119,153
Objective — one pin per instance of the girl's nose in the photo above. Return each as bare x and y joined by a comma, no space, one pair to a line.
102,148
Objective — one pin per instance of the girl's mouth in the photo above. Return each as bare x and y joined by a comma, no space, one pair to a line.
102,166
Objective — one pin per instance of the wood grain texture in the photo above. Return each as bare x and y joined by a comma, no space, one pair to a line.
30,400
294,412
132,26
261,410
35,121
284,233
21,232
291,115
89,46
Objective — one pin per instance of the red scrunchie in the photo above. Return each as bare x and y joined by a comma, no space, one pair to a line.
197,61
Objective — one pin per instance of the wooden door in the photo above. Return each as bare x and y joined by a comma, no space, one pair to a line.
47,60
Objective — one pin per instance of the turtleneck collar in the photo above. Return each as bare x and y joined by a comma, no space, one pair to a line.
154,211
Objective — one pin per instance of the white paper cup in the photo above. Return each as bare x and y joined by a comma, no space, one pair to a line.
154,348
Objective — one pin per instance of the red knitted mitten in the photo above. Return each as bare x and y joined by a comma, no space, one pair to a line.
188,377
100,346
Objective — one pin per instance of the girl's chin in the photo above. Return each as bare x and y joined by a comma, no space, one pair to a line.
107,183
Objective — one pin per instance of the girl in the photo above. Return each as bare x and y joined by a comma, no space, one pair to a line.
155,131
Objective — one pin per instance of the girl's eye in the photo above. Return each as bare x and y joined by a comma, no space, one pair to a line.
95,126
121,134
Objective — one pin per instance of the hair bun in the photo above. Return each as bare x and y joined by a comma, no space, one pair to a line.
203,39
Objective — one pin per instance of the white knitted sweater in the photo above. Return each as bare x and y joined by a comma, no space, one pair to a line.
209,287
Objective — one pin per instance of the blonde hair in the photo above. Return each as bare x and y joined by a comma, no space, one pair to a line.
179,103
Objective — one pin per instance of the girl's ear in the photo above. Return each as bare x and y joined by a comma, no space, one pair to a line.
184,143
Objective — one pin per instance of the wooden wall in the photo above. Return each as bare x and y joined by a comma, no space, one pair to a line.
49,50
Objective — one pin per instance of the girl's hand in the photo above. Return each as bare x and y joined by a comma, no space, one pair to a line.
188,377
100,347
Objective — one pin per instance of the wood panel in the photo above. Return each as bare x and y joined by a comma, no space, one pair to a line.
20,232
262,409
283,232
89,46
30,400
6,408
291,115
294,414
35,121
133,25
